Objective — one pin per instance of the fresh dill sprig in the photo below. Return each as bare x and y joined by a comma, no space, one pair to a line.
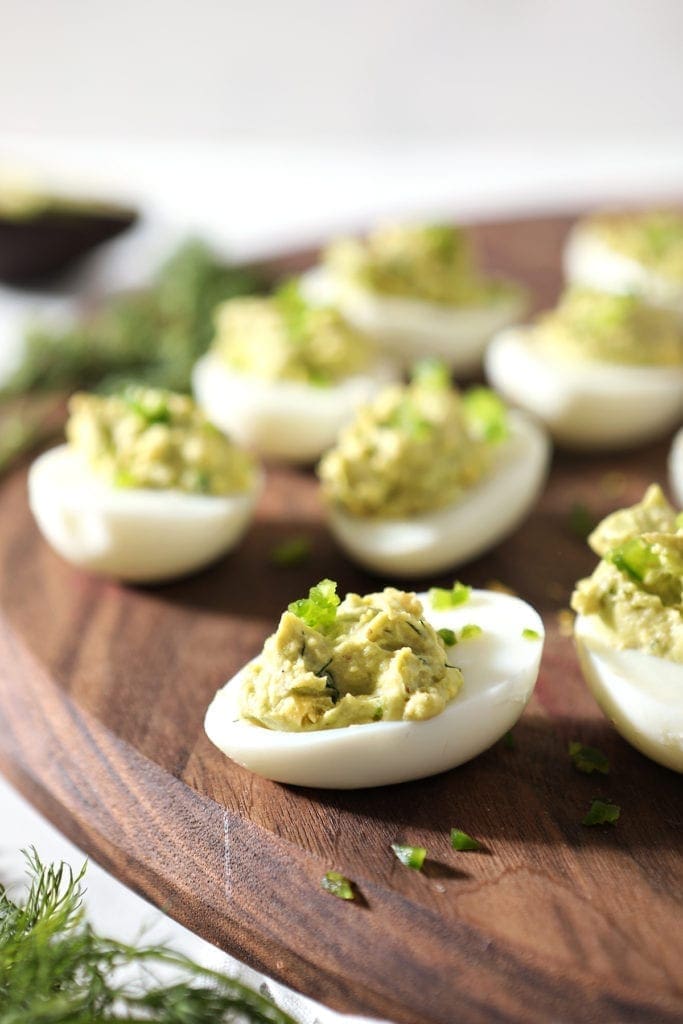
54,968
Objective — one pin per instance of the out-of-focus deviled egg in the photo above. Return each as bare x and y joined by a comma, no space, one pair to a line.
146,489
601,370
283,376
629,630
635,253
425,479
379,689
676,468
417,291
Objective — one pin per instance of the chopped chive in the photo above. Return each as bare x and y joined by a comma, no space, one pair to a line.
461,841
378,713
470,630
441,598
486,414
291,552
411,856
531,634
581,521
448,636
634,557
601,813
337,884
588,759
319,609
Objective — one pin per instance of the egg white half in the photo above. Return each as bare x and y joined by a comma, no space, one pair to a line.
410,329
482,516
640,693
288,420
586,405
142,536
590,261
499,669
676,468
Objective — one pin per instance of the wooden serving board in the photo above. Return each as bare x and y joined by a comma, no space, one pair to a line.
103,689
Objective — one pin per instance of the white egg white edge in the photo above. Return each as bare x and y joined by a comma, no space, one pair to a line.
591,262
481,517
641,694
499,667
140,536
410,329
585,405
676,468
287,420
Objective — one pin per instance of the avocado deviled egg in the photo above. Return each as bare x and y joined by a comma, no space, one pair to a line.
381,688
283,376
145,490
629,628
601,370
425,479
416,290
631,253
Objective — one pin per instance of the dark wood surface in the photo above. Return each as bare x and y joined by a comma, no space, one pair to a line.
103,689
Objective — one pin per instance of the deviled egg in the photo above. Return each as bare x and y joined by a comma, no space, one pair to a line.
676,468
600,370
424,479
634,253
146,489
379,689
416,290
629,630
283,376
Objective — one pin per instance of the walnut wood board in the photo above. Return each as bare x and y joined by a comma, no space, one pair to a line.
103,689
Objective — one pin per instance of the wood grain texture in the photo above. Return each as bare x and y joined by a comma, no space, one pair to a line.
102,694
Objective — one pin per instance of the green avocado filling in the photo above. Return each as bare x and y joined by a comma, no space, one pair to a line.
637,588
654,238
334,663
429,262
589,325
414,449
283,337
151,438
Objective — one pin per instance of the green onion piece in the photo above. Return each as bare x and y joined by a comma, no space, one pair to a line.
441,598
431,373
291,552
461,841
319,609
486,414
470,630
411,856
338,885
509,741
588,759
634,557
601,813
531,634
581,521
448,636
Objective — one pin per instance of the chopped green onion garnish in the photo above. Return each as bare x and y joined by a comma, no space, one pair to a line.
509,740
588,759
486,414
442,598
601,813
291,552
448,636
470,630
461,841
581,522
531,634
319,609
634,557
431,373
411,856
338,885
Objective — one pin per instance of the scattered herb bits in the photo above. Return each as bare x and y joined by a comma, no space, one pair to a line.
461,841
581,521
319,609
470,630
531,634
509,741
448,636
442,598
602,813
290,553
411,856
588,759
338,885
